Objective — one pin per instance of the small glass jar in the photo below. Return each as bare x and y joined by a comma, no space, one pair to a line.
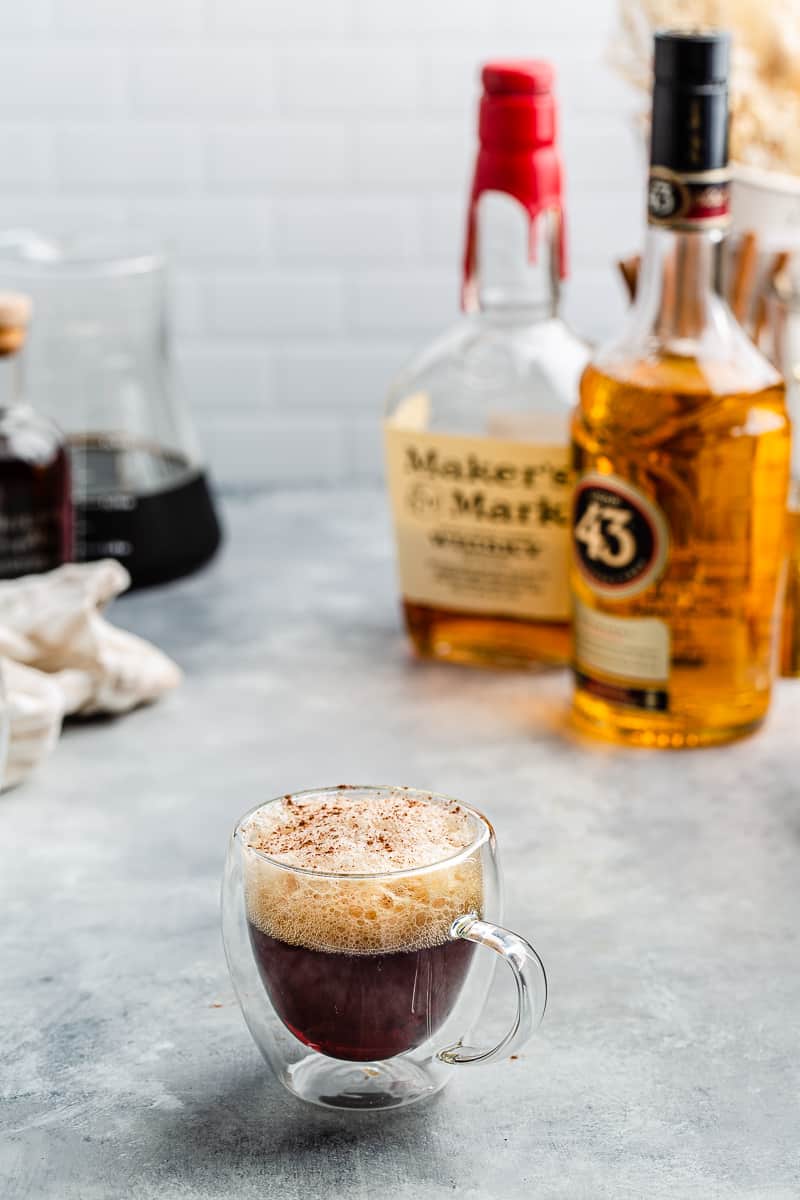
36,526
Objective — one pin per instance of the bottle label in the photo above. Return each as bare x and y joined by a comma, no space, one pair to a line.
621,545
624,660
482,523
621,538
700,200
635,649
31,540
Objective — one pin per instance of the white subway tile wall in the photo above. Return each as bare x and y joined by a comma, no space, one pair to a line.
307,161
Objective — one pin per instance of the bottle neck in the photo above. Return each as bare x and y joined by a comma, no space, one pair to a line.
517,260
678,297
11,379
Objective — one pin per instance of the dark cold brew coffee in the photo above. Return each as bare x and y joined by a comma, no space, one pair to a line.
361,1007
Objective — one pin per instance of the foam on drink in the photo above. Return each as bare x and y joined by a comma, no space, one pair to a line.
357,833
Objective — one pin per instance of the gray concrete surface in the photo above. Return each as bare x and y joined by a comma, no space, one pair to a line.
662,891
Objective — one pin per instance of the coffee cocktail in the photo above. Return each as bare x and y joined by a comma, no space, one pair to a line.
351,916
350,900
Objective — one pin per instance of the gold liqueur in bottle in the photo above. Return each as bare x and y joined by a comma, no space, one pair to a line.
477,429
681,451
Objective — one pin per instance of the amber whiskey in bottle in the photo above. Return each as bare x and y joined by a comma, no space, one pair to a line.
477,428
36,525
681,451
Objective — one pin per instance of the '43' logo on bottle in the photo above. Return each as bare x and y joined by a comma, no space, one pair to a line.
665,198
621,538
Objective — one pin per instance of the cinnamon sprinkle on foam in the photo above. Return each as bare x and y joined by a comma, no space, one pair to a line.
368,834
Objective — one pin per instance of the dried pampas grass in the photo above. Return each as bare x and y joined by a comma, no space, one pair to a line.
765,83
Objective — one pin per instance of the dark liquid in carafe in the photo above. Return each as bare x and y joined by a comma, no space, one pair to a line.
361,1007
149,508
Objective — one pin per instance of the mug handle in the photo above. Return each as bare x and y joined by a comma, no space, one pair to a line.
529,976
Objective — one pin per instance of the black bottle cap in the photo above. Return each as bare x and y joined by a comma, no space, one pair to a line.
692,59
690,102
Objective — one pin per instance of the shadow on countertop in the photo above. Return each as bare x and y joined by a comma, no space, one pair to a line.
254,1130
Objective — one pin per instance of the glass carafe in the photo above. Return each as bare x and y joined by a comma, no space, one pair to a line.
99,365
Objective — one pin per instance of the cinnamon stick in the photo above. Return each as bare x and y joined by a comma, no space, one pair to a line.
779,263
744,275
629,270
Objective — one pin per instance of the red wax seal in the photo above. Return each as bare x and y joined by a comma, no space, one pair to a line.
518,153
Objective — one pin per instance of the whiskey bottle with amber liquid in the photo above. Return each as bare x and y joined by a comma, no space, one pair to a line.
36,515
681,452
477,429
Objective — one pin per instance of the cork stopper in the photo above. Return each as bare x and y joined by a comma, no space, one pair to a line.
15,314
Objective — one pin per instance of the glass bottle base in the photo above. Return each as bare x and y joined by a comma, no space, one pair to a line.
654,731
379,1085
476,640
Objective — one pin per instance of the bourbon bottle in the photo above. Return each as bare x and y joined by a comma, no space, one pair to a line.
681,453
35,501
477,430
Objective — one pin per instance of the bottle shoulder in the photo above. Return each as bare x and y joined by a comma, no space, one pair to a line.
28,436
481,368
721,359
685,378
675,403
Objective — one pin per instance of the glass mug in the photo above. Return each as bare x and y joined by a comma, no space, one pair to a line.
361,987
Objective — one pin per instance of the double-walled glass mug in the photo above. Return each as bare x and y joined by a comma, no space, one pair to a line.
351,918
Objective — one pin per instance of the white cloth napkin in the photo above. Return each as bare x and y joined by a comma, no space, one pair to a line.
60,656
